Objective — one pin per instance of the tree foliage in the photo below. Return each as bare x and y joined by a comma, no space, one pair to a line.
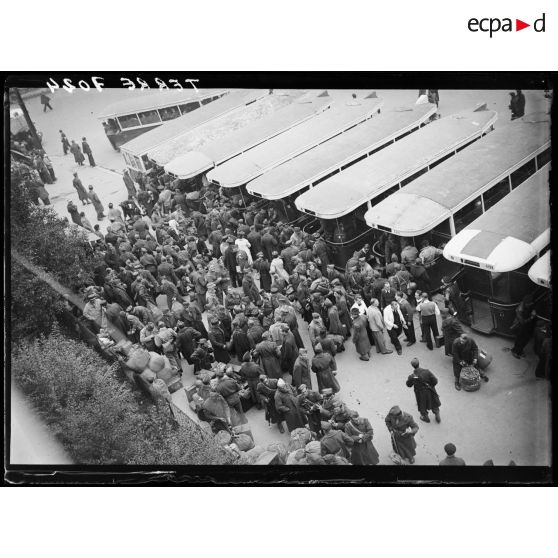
96,417
41,239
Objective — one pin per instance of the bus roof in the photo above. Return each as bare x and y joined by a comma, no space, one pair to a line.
349,189
339,118
539,272
173,128
159,99
432,198
221,126
292,176
510,233
219,151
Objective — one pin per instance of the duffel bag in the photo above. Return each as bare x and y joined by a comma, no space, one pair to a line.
484,359
469,378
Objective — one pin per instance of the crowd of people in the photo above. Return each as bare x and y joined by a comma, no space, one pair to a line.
251,275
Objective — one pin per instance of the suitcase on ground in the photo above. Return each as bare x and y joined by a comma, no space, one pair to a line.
484,359
469,378
439,340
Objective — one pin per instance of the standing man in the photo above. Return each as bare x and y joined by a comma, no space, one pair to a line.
423,382
87,150
65,142
428,312
395,322
96,203
45,101
81,191
465,353
517,104
387,296
301,370
451,458
377,326
523,325
408,312
129,183
402,428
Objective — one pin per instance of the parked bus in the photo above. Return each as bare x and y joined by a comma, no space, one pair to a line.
135,151
285,182
193,140
129,118
438,205
194,165
539,273
286,146
497,249
341,201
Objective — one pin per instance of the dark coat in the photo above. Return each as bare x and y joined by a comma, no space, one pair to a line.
465,350
363,451
403,443
269,356
289,353
287,404
336,442
186,341
423,382
322,366
301,373
219,343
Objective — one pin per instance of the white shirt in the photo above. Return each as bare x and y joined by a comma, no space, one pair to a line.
360,307
388,317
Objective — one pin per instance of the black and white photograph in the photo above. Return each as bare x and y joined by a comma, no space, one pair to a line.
280,276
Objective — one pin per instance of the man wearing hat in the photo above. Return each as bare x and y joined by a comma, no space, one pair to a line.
81,191
218,341
92,195
269,244
250,371
402,428
335,442
360,430
269,354
454,300
229,259
424,382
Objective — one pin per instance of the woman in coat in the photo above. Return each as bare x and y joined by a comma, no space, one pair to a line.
402,428
360,335
322,366
269,354
286,403
363,451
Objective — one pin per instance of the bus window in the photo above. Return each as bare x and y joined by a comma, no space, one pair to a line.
113,125
436,163
188,107
131,161
137,163
149,117
205,101
500,286
413,177
466,215
520,284
496,193
477,281
523,173
146,162
543,158
169,113
385,195
441,233
129,121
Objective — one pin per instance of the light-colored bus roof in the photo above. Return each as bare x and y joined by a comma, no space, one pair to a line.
349,189
434,197
510,233
539,272
339,118
173,128
159,99
221,126
292,176
219,151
